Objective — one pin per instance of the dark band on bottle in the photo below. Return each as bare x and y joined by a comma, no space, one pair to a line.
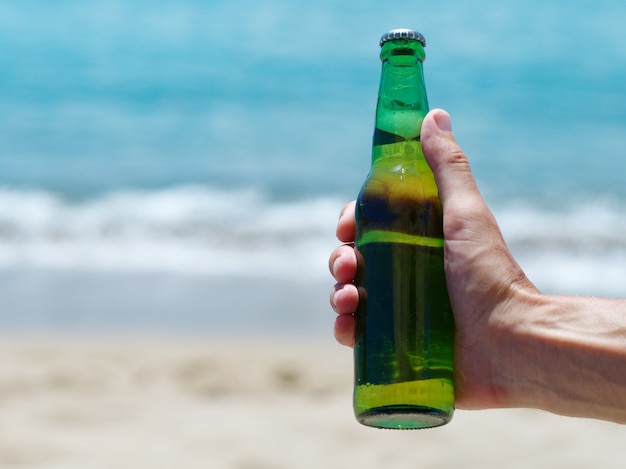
382,137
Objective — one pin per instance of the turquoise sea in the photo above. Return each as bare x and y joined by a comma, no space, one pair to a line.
180,164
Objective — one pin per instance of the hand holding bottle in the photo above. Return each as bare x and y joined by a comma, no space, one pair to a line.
515,347
483,279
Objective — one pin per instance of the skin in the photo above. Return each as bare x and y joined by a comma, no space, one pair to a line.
514,346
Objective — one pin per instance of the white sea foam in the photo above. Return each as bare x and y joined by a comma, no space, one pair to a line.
199,230
182,230
580,249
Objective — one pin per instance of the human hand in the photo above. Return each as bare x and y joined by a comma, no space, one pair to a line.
487,288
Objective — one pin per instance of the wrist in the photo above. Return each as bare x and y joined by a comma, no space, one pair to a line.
563,354
519,339
512,350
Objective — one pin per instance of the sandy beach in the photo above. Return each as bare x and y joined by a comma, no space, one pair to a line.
245,404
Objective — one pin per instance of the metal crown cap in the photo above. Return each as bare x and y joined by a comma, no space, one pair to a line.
402,34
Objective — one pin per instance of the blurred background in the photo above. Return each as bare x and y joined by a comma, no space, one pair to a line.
176,144
155,157
175,168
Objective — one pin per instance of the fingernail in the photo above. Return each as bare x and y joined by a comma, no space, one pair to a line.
336,296
442,119
335,266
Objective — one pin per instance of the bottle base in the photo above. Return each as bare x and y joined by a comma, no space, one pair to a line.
404,418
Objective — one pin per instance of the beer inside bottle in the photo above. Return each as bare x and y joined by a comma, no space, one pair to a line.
404,343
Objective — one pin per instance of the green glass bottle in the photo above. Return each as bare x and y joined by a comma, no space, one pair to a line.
404,343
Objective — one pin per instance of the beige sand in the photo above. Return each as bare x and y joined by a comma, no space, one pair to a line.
246,405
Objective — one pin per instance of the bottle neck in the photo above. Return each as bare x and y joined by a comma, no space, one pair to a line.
402,102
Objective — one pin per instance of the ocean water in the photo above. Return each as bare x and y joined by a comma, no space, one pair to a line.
203,143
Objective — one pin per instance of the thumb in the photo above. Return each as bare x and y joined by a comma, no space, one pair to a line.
448,162
466,215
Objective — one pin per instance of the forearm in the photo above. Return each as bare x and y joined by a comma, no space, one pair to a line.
566,355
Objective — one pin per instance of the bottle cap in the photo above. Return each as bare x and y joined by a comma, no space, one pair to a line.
402,34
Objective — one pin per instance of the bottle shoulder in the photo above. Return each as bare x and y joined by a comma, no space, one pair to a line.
389,178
